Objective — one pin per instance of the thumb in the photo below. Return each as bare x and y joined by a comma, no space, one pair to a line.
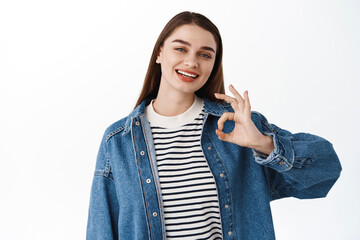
223,136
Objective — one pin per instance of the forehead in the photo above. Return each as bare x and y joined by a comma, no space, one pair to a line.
193,34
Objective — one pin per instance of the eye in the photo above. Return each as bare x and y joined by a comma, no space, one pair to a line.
205,55
180,49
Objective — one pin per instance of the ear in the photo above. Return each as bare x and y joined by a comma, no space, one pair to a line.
158,61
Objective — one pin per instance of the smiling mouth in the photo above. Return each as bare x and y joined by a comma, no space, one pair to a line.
186,74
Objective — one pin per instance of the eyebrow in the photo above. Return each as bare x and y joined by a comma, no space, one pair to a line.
188,44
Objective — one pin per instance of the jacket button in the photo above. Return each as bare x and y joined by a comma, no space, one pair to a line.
148,180
142,153
221,175
281,162
209,148
226,206
137,123
154,214
229,233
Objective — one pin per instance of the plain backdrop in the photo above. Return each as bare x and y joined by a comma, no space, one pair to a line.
68,69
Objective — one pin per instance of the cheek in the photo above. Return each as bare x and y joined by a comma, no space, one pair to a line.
209,68
169,62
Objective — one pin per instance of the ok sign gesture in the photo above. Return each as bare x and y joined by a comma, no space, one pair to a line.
245,133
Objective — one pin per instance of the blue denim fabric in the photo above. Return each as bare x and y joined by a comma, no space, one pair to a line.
126,200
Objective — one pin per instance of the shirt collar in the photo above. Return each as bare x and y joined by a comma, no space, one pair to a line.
210,107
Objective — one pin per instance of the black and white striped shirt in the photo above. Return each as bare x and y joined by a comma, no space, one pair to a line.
188,188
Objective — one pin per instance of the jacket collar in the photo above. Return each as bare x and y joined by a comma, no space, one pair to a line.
210,107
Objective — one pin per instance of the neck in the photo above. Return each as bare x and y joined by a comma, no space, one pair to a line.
172,104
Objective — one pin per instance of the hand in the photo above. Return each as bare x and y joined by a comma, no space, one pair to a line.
245,133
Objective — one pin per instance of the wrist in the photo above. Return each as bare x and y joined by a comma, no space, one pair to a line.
265,145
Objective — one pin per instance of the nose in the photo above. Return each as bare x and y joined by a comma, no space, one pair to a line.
191,61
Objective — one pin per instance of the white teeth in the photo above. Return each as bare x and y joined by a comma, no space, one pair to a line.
187,74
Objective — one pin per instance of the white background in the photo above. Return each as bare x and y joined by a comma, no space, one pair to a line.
69,69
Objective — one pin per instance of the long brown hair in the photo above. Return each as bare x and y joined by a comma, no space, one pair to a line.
214,84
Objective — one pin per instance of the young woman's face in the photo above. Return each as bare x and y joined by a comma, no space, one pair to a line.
187,59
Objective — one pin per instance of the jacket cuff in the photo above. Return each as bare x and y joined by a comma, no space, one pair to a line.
281,158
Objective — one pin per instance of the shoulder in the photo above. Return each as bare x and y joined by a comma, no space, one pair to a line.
262,123
124,124
217,108
116,128
255,115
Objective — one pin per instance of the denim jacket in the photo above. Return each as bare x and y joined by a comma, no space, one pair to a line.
126,200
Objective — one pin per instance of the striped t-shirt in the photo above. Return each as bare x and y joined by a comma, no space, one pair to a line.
188,188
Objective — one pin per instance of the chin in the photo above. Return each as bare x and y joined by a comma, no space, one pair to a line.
189,89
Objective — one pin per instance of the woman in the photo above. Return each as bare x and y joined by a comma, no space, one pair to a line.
190,162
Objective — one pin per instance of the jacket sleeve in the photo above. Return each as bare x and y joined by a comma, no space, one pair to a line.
302,165
104,206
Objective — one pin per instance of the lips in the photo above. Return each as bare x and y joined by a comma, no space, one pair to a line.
186,76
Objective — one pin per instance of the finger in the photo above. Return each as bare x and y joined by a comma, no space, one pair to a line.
238,97
234,103
223,136
236,94
224,117
247,103
225,97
